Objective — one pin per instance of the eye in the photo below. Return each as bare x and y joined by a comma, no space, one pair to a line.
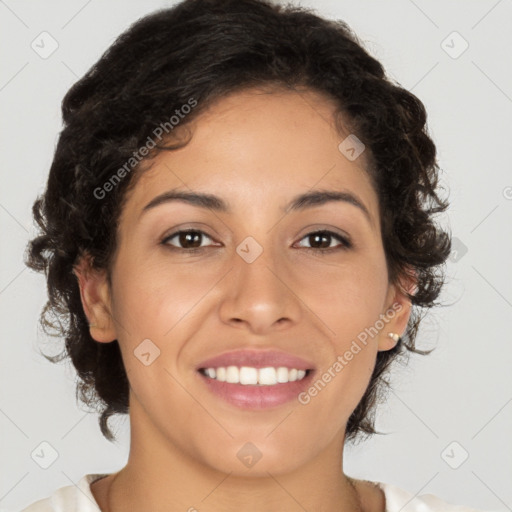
320,241
189,240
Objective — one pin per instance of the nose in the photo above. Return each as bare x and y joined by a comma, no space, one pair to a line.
259,295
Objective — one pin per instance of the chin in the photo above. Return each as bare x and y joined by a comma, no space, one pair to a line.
257,459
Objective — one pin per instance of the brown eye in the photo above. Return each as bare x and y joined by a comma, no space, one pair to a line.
322,240
186,239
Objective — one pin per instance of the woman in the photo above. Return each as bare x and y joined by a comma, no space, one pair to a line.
238,231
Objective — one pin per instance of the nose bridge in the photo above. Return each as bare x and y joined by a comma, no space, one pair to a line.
256,292
257,264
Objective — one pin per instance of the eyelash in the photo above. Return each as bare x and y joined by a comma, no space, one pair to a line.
346,244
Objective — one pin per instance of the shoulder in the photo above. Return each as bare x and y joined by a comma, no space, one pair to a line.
71,498
398,499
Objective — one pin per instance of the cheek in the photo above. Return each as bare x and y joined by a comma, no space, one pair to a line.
152,298
348,302
347,298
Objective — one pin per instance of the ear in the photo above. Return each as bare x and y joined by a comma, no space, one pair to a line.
96,299
398,309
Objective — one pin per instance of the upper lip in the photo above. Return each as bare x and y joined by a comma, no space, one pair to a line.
256,358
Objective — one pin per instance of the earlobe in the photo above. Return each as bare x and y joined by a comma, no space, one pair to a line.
398,311
95,297
390,343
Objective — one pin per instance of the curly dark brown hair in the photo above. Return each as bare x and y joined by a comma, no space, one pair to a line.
206,49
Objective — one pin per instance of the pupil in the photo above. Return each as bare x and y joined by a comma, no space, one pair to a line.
319,236
187,238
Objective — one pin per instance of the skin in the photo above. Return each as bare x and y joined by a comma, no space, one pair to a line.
256,151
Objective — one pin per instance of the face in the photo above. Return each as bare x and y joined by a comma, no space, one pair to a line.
253,276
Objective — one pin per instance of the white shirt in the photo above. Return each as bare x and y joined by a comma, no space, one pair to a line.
79,498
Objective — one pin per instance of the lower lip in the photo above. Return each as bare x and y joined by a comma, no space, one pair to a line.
257,397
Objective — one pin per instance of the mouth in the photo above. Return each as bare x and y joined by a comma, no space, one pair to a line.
256,389
255,379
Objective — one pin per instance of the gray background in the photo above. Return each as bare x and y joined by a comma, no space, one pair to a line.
461,393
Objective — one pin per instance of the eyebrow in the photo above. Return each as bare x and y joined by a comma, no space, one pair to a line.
298,203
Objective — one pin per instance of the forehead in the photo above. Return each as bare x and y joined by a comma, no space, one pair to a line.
258,147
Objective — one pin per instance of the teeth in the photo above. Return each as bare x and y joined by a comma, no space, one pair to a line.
282,374
247,375
267,376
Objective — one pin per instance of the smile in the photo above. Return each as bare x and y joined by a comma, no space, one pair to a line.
250,388
249,376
